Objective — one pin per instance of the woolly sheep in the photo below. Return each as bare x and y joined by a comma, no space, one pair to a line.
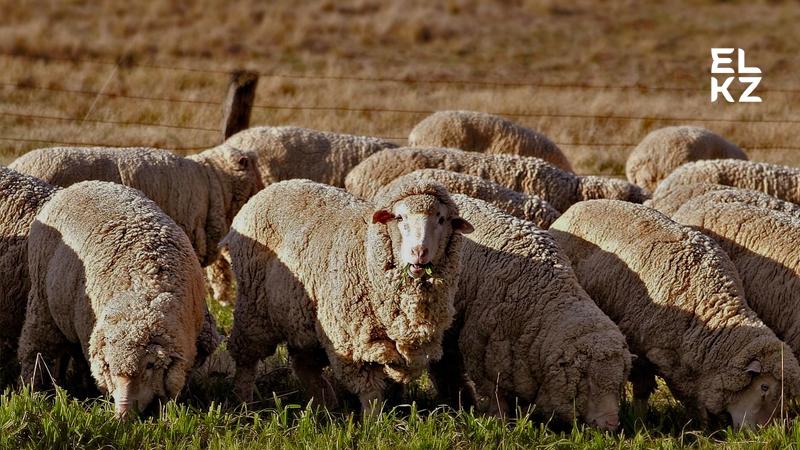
21,197
115,284
679,301
202,192
486,133
778,181
365,288
293,152
665,149
763,244
671,201
523,206
525,329
531,176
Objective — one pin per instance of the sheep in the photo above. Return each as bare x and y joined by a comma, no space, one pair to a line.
486,133
293,152
679,301
365,288
202,192
671,201
524,328
523,206
778,181
763,244
21,197
665,149
116,285
531,176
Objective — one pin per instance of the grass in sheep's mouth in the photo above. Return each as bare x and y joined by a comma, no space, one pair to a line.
408,278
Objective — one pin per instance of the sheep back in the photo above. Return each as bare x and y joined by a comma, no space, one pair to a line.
293,152
486,133
665,149
676,296
778,181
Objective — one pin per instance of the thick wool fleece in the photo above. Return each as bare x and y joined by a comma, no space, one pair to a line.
666,149
677,298
524,328
782,182
111,275
486,133
314,271
669,200
21,198
523,206
293,152
532,176
201,193
764,246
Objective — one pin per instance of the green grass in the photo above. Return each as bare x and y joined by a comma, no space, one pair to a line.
210,417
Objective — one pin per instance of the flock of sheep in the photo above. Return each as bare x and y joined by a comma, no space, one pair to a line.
475,254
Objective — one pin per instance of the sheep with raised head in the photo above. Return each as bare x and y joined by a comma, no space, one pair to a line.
366,288
778,181
474,131
679,300
523,206
21,198
525,332
532,176
665,149
763,244
115,284
292,152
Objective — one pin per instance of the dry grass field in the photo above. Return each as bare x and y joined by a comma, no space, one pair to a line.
593,76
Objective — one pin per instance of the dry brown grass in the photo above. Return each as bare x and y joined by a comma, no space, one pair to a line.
49,47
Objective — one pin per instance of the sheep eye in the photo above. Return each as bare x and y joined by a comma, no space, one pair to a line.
441,220
764,387
399,218
149,366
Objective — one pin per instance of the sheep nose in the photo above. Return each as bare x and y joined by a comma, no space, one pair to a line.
418,254
612,424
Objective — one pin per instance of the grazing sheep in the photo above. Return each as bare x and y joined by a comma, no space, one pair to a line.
676,198
523,206
763,244
666,149
485,133
114,284
293,152
782,182
21,198
531,176
679,301
365,288
202,192
524,328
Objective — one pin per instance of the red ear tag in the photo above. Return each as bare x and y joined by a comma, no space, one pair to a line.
382,216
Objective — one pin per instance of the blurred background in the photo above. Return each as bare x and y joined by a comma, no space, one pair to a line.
595,77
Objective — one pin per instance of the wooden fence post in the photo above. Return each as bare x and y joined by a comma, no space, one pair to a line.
237,107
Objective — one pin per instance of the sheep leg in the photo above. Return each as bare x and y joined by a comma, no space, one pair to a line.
498,404
449,376
244,380
42,349
307,366
644,384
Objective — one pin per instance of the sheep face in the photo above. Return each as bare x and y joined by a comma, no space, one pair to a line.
134,391
421,226
241,167
759,402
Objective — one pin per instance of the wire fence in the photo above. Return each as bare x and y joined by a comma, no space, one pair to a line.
360,110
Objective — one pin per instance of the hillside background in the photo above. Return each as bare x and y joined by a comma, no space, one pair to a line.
595,77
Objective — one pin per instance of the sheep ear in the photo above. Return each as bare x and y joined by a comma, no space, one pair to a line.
461,225
243,162
176,357
382,216
754,368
